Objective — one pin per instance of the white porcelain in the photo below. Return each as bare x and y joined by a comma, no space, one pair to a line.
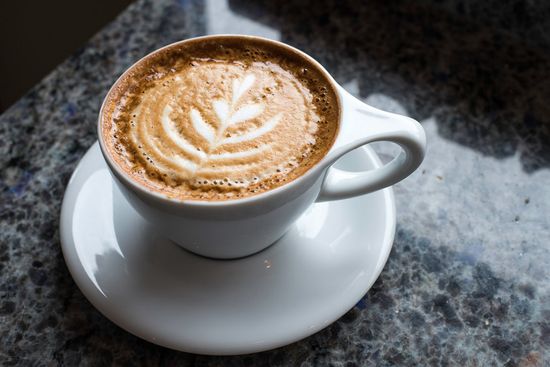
236,228
158,291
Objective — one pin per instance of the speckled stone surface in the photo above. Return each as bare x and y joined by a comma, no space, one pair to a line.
467,282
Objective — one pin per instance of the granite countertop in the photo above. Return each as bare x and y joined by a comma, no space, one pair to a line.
467,280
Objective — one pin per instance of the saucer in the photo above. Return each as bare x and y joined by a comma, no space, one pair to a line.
158,291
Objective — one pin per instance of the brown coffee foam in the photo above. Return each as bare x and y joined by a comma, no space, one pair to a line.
133,110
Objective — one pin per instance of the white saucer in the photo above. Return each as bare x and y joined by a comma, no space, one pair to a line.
166,295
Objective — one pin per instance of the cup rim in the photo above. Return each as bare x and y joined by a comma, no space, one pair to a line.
129,182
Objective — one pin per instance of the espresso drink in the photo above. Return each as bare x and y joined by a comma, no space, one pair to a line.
220,119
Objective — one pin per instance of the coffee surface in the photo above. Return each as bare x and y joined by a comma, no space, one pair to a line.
220,119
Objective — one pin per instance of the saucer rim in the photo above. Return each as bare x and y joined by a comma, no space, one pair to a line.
93,295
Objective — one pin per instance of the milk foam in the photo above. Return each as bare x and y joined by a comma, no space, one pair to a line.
194,128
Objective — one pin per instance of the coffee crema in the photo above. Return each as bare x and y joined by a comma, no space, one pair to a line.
220,119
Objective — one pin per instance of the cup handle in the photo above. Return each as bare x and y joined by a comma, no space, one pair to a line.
363,124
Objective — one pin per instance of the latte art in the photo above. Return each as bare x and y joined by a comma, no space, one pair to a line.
220,128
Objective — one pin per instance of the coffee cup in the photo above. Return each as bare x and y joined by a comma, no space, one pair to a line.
243,225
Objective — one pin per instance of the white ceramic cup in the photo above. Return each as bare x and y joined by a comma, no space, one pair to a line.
241,227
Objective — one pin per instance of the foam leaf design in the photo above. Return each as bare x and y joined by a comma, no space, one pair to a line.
170,128
204,129
240,87
251,135
222,109
246,113
228,115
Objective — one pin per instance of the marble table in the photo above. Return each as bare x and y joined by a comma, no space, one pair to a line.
467,282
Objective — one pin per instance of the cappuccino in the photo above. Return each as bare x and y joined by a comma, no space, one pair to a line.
220,119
